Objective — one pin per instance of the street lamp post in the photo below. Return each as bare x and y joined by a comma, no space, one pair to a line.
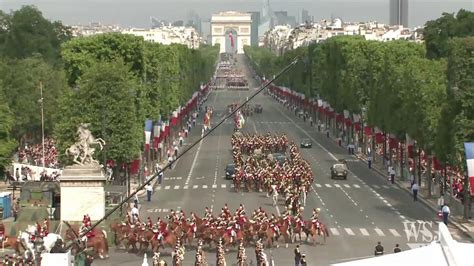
42,123
363,128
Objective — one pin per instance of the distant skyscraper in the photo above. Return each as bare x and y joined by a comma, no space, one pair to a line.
399,12
305,16
255,16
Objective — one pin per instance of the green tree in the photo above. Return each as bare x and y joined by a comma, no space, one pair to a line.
106,95
7,142
26,32
80,53
21,86
437,33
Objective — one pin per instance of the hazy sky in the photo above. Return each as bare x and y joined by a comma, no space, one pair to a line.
137,13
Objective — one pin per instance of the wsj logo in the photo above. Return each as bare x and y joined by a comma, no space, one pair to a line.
419,231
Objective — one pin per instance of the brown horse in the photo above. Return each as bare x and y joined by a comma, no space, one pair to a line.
297,230
315,232
167,241
237,181
97,242
12,242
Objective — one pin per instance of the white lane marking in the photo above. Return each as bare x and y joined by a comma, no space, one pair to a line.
356,186
179,177
379,232
318,185
204,186
403,217
223,185
337,185
375,186
364,232
349,231
385,186
195,186
176,187
347,186
193,164
167,187
394,232
334,231
165,210
158,188
328,185
214,186
319,144
185,187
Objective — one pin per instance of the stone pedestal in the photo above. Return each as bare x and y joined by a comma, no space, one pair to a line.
82,192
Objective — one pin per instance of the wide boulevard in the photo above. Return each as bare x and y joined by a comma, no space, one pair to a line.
358,211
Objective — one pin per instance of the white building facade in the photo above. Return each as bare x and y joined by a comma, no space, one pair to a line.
168,35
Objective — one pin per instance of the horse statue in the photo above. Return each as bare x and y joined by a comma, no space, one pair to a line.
82,151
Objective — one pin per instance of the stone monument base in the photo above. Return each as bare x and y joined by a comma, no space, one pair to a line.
82,192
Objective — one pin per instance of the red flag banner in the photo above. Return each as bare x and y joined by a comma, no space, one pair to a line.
231,37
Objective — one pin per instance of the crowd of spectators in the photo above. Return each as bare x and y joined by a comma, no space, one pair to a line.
33,154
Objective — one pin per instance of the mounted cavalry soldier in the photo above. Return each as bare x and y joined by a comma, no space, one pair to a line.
315,220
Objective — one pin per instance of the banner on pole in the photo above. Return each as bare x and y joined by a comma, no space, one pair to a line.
469,150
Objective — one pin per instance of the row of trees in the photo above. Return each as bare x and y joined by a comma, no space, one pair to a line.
402,90
112,81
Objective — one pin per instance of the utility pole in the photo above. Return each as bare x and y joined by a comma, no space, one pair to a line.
42,123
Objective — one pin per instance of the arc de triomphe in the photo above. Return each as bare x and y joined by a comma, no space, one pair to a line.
223,23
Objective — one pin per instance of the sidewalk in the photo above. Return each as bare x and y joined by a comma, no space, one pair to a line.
467,227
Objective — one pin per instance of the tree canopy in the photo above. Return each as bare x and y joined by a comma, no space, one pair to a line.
403,91
26,32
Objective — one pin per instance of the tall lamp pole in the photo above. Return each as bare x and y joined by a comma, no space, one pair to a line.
42,123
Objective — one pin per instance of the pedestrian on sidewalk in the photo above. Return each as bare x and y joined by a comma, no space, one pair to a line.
369,161
311,121
327,132
397,248
412,179
149,190
415,188
392,174
181,138
319,125
135,200
297,255
446,212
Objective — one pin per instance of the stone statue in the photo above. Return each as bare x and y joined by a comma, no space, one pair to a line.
81,150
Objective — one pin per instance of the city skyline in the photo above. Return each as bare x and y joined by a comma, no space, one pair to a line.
73,12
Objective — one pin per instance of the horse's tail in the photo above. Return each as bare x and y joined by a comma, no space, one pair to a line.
326,231
106,248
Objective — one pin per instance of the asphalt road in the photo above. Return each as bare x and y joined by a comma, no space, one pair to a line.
359,211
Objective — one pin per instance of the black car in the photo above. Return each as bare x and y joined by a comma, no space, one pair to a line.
306,143
258,108
230,171
339,170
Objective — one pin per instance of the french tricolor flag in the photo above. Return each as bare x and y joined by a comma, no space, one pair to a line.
469,150
148,129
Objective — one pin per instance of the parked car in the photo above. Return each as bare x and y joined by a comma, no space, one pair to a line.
306,143
339,170
258,108
230,171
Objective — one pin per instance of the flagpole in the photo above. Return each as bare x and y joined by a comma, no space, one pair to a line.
42,123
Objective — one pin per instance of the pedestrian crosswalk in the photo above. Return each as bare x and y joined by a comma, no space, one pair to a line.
173,178
226,186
